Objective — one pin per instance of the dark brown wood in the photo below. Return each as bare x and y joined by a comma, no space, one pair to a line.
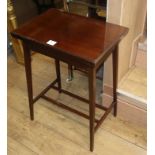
28,71
115,72
92,95
79,98
67,107
78,38
81,42
104,116
57,64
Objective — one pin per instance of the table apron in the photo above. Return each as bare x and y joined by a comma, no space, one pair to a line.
62,56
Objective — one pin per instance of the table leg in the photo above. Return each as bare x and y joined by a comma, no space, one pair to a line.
92,94
57,64
27,59
115,72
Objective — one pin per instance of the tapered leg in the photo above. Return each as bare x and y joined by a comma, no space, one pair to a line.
92,94
115,72
27,59
57,64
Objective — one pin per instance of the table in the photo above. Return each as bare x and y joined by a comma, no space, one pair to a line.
80,41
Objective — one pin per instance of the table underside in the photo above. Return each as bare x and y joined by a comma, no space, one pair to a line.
53,85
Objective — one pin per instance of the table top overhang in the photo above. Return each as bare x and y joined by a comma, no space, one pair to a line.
85,38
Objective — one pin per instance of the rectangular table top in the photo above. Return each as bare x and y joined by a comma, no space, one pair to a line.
85,38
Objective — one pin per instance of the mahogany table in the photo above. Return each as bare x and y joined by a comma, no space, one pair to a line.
81,42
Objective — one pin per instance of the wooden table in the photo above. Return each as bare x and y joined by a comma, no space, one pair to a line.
81,42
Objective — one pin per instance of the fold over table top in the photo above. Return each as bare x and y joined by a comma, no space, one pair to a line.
85,38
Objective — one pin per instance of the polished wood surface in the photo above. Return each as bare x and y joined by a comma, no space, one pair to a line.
81,42
88,39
